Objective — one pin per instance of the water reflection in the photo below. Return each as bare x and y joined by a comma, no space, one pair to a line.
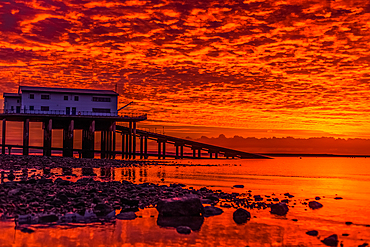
262,177
194,222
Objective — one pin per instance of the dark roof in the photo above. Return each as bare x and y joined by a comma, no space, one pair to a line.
11,95
66,90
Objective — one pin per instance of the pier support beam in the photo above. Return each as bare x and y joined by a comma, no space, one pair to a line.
3,137
194,153
199,153
182,151
145,147
141,147
26,133
103,144
159,150
216,155
134,140
68,140
164,149
88,141
177,152
113,126
130,141
48,126
127,145
123,136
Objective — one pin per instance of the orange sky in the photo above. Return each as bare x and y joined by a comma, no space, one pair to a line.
252,68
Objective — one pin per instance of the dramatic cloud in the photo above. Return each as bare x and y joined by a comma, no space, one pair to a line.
295,64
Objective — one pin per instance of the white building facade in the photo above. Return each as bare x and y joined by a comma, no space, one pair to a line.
64,101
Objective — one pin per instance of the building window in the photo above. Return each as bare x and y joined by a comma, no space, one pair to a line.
32,96
65,97
101,99
32,108
12,108
17,100
45,96
101,110
44,108
76,98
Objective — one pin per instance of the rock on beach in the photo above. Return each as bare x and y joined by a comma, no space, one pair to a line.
332,240
241,216
280,209
189,205
315,205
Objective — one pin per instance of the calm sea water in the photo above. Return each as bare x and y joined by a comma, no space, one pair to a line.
304,178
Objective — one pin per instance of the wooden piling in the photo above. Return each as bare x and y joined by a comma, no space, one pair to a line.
3,137
113,126
88,139
123,136
68,139
164,149
47,137
141,147
159,150
134,140
26,133
103,144
145,147
130,141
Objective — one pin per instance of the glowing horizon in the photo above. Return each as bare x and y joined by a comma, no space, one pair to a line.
295,67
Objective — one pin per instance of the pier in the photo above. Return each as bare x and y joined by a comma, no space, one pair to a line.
111,127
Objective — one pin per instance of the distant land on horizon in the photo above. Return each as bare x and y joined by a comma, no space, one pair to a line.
290,146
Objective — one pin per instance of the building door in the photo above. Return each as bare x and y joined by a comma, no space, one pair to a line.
68,110
18,109
73,110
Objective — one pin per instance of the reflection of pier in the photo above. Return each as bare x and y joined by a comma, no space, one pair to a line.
130,150
134,141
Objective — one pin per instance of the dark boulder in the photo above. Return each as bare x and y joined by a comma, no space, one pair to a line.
279,209
48,218
211,211
241,216
126,216
315,205
189,205
312,233
102,209
239,186
331,240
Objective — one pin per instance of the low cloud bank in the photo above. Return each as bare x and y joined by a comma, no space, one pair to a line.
317,145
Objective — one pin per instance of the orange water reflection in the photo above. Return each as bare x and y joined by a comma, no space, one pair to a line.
304,178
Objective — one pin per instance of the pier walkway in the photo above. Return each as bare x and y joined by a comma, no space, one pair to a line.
108,125
129,147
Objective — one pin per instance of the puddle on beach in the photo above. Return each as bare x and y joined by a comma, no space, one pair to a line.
263,229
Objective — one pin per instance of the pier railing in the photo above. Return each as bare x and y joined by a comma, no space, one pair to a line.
74,113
